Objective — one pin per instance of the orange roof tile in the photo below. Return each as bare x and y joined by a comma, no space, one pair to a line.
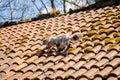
96,57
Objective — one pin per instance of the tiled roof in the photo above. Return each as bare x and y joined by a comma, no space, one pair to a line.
96,57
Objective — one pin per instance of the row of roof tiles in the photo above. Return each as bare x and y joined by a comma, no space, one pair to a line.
65,65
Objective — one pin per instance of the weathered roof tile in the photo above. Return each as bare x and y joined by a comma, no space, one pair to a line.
112,78
91,73
78,73
96,56
25,75
116,71
28,68
103,73
89,64
78,64
101,63
15,76
20,66
8,74
114,62
4,66
56,74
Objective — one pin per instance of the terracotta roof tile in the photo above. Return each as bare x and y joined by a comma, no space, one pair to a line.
8,74
46,66
2,74
88,56
77,57
34,75
23,76
40,60
98,78
91,73
15,76
97,48
112,78
116,71
67,58
66,74
99,55
19,61
78,64
20,66
4,66
36,68
55,75
114,62
28,68
101,63
6,70
32,59
66,66
89,64
49,72
96,56
111,54
78,73
103,73
83,78
57,66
